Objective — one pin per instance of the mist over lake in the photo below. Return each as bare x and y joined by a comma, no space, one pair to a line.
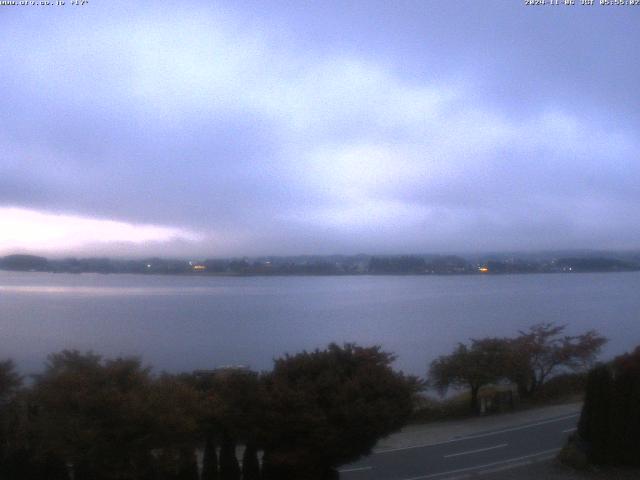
183,323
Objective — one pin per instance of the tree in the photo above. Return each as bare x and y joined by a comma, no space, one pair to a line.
209,458
229,467
594,419
10,381
328,407
481,363
542,350
624,420
233,406
187,464
610,419
91,413
250,463
105,417
172,421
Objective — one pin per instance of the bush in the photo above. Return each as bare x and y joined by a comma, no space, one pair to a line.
562,387
610,420
430,409
327,408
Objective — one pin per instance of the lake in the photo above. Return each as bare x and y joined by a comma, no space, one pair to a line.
183,323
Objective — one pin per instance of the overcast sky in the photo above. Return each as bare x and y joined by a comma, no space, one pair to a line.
243,128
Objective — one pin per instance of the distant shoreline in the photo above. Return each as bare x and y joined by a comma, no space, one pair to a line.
332,265
280,275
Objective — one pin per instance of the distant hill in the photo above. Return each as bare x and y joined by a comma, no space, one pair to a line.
24,263
597,264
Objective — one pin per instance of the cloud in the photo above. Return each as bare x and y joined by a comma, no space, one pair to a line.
31,230
281,138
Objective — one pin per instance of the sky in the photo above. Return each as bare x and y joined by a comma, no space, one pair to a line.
200,128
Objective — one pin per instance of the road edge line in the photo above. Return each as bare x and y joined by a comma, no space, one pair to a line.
479,435
478,467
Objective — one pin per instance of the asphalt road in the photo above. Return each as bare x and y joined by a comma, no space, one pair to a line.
478,453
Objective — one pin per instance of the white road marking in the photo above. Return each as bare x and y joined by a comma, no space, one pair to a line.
468,452
492,464
355,469
569,430
480,435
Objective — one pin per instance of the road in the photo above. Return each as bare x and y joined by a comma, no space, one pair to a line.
478,453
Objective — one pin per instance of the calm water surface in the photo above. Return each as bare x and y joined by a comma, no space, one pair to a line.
182,323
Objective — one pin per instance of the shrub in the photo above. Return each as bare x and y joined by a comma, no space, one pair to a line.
610,420
326,408
561,387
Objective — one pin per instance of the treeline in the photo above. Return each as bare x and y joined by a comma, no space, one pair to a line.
325,265
90,418
527,361
419,265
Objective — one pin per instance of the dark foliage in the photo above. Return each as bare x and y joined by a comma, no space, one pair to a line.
610,420
250,463
544,350
104,417
209,459
399,265
529,360
10,381
187,465
483,362
594,420
326,408
111,419
229,467
561,387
